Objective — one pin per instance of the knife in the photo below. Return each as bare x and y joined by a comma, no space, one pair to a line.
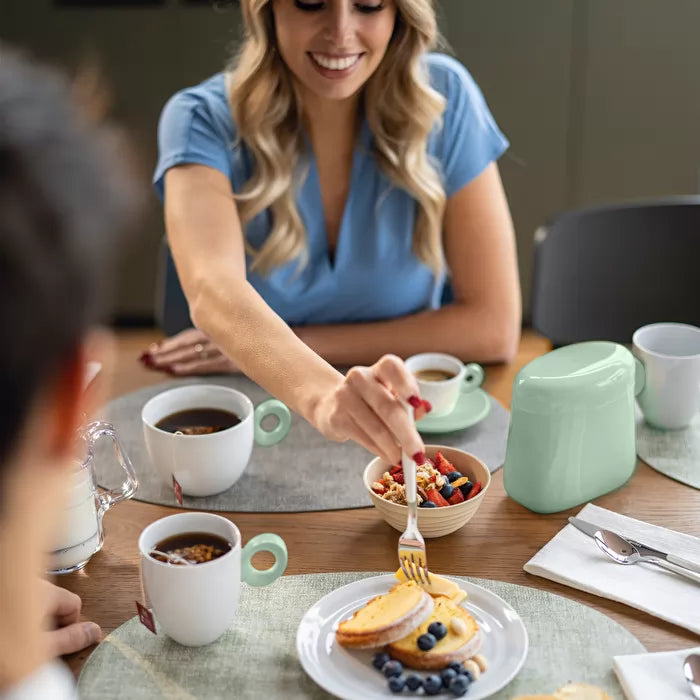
590,529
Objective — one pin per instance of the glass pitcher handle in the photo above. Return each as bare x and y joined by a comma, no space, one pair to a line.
109,497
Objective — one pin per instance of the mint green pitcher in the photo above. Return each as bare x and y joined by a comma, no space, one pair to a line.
572,426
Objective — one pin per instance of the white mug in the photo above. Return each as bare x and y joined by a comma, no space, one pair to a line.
670,353
195,604
208,464
443,395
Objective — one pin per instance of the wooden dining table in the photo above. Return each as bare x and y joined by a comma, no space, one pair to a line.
495,544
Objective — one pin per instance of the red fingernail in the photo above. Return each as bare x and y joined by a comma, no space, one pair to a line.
414,401
419,458
427,406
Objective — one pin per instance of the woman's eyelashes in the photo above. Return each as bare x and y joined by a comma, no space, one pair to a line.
315,6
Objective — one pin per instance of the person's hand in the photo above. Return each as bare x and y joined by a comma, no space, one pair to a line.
367,407
66,634
188,352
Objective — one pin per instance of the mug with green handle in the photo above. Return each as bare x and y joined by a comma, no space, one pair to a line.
194,604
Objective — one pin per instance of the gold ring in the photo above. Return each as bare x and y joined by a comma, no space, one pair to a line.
199,348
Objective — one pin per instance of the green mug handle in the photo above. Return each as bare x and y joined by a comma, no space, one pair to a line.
266,542
473,377
271,407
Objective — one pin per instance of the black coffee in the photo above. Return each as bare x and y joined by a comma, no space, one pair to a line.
198,421
193,547
434,375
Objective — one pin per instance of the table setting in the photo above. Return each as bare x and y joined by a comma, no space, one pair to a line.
575,567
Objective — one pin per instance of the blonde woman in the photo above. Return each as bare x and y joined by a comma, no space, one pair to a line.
315,195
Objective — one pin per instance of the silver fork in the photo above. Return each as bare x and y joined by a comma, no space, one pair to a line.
412,557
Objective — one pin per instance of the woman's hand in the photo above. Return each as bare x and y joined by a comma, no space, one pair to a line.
367,407
188,352
66,634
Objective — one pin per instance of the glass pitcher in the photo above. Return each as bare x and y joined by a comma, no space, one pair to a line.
80,534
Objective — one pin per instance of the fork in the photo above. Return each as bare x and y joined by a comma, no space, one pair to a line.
412,556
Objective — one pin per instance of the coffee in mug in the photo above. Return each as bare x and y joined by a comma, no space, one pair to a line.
198,421
434,375
190,548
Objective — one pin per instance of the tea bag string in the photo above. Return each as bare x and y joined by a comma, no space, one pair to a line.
170,556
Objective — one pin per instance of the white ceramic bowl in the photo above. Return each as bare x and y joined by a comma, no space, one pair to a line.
433,522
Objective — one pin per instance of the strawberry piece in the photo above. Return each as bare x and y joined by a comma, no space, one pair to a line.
379,489
456,498
475,489
442,465
396,468
436,497
398,477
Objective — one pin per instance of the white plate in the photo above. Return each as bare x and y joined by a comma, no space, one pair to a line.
350,674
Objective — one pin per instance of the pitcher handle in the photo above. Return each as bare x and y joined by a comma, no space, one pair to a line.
109,497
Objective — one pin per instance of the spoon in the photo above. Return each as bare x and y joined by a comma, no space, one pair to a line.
171,557
691,669
624,552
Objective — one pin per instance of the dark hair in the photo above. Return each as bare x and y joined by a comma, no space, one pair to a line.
62,200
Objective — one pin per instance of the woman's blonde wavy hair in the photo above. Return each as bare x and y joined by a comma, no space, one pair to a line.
401,110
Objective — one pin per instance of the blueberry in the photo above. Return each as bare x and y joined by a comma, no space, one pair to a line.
428,504
414,681
456,666
447,490
438,630
432,685
392,668
466,488
379,659
396,684
448,675
467,674
453,476
459,686
426,642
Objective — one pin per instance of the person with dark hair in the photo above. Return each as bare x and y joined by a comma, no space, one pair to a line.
61,204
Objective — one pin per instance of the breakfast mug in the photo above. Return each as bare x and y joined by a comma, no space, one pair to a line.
208,464
444,394
195,604
80,533
670,353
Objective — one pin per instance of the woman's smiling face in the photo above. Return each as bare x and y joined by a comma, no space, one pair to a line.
332,47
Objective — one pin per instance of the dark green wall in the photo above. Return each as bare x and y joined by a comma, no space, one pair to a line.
598,98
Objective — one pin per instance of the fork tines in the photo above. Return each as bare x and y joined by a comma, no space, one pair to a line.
414,569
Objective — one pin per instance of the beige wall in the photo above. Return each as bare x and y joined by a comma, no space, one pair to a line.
598,98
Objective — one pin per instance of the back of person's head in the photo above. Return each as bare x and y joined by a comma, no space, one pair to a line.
62,200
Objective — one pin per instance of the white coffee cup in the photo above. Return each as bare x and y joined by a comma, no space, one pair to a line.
195,604
208,464
443,395
670,353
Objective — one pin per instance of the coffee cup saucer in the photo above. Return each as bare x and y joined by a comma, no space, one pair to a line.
471,408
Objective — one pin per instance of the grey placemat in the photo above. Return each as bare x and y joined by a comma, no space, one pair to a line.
675,453
304,472
257,657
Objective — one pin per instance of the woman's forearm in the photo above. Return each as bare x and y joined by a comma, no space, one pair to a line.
471,334
262,345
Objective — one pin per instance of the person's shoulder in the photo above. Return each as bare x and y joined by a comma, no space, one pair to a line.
207,100
448,76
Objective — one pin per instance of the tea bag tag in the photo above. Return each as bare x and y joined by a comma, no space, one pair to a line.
177,489
146,617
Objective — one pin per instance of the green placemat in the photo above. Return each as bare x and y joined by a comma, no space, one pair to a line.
675,453
257,657
304,472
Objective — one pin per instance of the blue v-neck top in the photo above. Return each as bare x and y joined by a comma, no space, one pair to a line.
374,274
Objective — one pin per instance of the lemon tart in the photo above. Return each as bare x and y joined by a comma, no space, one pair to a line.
386,618
461,641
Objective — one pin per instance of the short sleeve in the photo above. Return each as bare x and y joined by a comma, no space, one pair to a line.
195,127
469,139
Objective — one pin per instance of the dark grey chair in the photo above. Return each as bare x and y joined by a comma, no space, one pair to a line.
603,272
172,309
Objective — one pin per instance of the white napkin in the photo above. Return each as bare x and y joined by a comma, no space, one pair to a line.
654,676
573,558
